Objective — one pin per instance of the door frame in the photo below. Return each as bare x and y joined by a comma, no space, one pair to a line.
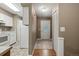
55,29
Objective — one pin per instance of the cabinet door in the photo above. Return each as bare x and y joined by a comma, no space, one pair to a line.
8,21
24,36
26,15
1,18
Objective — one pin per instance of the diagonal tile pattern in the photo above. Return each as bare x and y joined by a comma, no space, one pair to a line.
17,51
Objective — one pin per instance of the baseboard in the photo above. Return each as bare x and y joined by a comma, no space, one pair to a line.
43,39
32,52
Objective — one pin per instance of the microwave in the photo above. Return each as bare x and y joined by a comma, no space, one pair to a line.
4,40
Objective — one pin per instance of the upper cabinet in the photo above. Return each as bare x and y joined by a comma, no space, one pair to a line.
7,20
1,18
26,15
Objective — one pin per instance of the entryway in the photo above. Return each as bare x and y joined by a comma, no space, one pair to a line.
45,29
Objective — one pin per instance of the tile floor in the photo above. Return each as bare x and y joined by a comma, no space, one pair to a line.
40,44
17,51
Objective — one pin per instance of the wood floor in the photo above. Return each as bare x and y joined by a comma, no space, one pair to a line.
43,44
43,48
44,52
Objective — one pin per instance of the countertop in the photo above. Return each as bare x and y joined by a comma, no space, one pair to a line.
4,49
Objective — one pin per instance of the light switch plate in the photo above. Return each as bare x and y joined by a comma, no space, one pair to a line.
62,29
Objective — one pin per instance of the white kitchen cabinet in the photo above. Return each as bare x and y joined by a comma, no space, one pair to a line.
1,18
26,15
24,42
8,20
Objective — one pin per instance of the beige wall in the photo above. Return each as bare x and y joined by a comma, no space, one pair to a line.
69,18
33,30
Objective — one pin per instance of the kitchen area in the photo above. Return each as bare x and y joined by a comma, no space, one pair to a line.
17,29
10,14
7,34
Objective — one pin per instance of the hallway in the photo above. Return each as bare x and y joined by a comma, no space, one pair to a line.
44,48
43,44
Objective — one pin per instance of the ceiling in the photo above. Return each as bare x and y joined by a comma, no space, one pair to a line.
44,9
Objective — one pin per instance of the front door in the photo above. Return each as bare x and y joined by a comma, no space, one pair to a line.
45,29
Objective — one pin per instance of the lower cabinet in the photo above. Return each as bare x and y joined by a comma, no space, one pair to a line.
7,53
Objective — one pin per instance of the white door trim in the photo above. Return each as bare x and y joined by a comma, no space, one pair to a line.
58,43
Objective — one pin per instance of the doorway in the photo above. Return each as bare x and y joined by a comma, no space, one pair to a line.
45,29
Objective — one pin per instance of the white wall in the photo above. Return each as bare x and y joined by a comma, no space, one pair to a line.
58,41
55,27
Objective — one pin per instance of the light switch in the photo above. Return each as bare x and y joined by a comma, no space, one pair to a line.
62,29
